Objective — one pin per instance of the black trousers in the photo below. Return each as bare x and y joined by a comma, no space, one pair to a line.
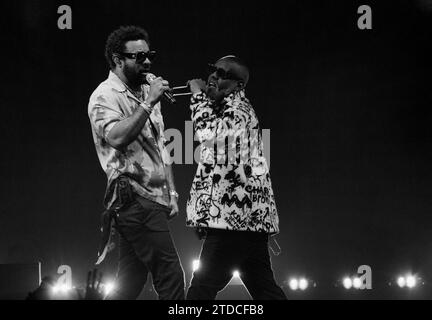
225,251
146,246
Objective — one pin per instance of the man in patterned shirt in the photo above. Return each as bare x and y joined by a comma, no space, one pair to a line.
231,199
128,132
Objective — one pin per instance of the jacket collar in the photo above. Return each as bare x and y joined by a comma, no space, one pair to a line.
237,95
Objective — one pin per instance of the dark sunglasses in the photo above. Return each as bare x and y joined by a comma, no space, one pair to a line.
140,56
221,73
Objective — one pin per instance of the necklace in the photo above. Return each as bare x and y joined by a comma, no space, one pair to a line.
137,93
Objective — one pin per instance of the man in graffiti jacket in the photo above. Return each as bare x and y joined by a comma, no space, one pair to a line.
231,200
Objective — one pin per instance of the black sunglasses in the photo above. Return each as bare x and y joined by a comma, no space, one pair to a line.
221,73
140,56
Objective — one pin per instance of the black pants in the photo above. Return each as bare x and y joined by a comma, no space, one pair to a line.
146,246
225,251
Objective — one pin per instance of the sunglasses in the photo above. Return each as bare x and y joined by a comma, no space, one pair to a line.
221,73
140,56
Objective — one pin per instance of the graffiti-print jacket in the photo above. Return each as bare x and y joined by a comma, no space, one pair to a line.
232,188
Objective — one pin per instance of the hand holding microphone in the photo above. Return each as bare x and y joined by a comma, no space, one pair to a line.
197,85
158,88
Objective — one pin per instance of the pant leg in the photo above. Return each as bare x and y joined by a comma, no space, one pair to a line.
256,271
218,259
145,226
131,275
165,267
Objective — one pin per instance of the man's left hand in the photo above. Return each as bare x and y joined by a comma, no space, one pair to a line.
174,208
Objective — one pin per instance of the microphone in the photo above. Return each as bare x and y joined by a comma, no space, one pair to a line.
186,87
167,95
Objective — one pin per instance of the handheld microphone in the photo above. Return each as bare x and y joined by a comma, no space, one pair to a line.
167,95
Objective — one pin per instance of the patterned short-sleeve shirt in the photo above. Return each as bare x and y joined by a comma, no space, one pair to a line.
143,161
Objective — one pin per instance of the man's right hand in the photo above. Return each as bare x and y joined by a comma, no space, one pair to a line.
197,85
157,87
94,286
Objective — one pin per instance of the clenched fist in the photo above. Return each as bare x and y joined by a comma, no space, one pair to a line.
197,85
157,88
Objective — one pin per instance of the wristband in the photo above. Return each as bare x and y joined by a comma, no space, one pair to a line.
147,107
174,193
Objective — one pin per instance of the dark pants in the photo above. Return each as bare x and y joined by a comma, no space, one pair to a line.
146,246
225,251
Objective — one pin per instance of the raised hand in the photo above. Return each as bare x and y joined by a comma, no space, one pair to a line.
157,87
197,85
94,288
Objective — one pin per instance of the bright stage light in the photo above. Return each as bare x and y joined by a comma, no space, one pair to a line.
109,287
294,284
195,265
347,283
236,274
356,283
411,281
303,284
401,282
61,289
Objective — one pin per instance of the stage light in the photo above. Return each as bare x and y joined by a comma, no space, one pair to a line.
401,282
347,283
236,274
61,289
303,284
195,265
411,281
356,283
109,287
294,284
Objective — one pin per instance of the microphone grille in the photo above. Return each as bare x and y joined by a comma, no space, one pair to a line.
150,77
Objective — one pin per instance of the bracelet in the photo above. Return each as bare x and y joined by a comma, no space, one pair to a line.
174,193
147,107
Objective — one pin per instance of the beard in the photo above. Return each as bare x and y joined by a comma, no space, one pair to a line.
215,94
211,92
135,78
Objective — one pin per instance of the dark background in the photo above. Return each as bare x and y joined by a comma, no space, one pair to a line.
348,109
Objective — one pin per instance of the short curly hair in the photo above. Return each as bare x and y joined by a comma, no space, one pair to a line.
117,39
